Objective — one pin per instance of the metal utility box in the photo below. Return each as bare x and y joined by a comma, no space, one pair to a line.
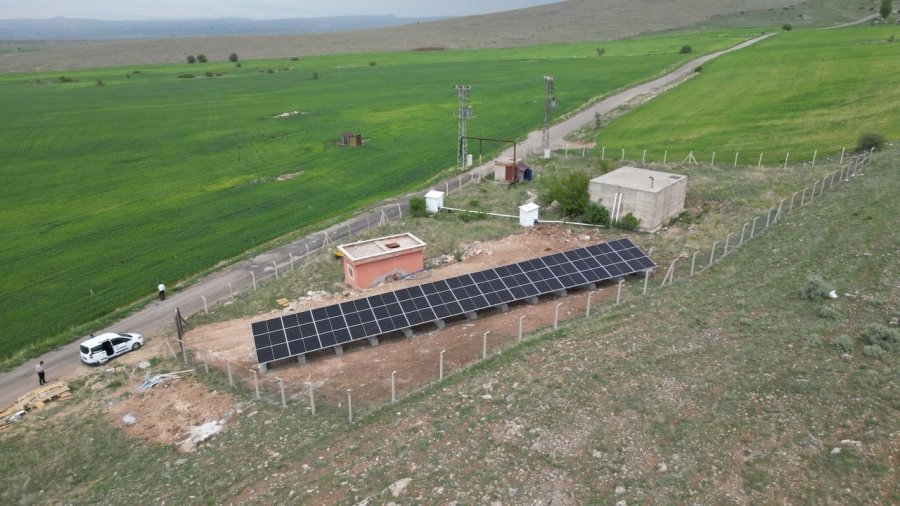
652,196
434,201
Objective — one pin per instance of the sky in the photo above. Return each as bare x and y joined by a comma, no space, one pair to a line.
253,9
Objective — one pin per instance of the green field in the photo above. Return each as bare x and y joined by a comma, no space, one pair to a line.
110,189
797,92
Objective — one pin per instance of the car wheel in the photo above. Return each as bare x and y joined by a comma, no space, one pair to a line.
135,346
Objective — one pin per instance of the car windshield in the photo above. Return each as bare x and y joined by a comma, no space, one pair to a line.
84,349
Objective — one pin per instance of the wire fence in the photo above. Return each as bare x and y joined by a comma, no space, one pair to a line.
353,404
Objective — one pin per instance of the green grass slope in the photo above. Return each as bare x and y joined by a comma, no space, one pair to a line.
110,189
726,388
797,92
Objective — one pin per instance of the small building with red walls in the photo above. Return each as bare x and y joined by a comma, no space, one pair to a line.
368,263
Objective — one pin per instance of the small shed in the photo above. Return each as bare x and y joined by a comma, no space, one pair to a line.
652,196
506,170
368,263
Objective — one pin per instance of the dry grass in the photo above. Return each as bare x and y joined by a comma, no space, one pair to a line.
570,21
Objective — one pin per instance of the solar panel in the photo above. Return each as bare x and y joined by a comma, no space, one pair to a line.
300,333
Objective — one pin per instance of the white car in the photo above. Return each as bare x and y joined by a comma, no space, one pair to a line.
99,349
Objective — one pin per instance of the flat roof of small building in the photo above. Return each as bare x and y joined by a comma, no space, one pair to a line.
372,249
639,179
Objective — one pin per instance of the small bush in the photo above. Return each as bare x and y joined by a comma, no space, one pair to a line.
201,58
598,120
814,288
209,73
315,75
457,255
686,49
628,222
698,69
100,82
417,208
874,351
829,313
601,51
191,59
607,165
186,76
372,64
238,65
294,58
869,141
842,344
882,336
787,27
813,341
469,217
233,57
596,214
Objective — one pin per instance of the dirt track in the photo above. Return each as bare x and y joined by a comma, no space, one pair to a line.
63,363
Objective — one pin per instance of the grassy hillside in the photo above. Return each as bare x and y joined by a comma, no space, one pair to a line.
567,21
728,387
118,179
797,92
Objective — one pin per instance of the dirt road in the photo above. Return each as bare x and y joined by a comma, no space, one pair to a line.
64,364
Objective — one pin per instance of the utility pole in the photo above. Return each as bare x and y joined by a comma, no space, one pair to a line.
549,103
463,113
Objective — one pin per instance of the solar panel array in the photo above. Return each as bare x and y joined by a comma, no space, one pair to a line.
299,333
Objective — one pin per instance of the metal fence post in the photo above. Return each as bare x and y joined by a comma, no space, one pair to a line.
230,377
588,313
349,405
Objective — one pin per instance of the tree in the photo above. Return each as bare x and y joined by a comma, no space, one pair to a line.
569,190
201,58
686,50
787,27
885,9
233,57
191,59
869,141
601,51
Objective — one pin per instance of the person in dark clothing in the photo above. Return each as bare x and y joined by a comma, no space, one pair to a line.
40,370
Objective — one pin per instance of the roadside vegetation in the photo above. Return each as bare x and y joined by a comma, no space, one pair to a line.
797,92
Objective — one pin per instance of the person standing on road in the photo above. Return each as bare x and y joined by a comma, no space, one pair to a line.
162,291
40,370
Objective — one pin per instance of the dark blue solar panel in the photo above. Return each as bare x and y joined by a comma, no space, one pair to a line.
306,331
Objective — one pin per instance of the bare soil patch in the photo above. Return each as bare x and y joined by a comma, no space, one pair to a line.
165,413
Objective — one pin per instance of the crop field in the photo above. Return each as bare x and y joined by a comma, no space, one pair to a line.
797,92
117,179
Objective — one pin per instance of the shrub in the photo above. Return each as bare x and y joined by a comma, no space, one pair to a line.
372,64
270,71
885,9
201,58
457,255
598,120
601,51
100,82
874,351
829,313
628,222
814,288
698,69
209,73
467,217
315,75
607,165
570,190
417,208
186,76
869,141
294,58
813,341
191,59
842,343
238,65
882,336
686,49
233,57
787,27
596,214
474,202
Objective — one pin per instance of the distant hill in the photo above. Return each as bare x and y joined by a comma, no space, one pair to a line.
569,21
93,29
